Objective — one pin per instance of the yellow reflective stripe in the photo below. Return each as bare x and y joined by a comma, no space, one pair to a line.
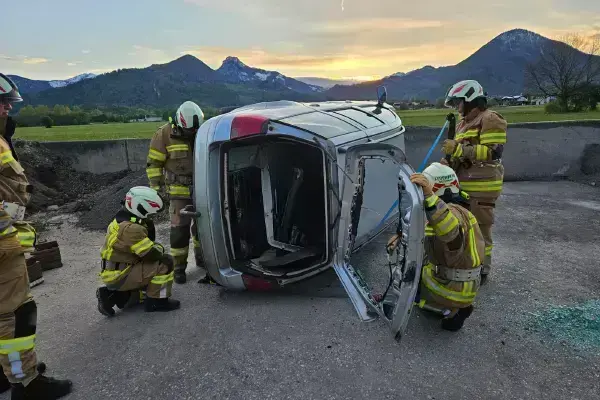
157,155
471,133
493,137
142,246
473,248
110,277
488,250
466,295
458,152
481,186
26,239
178,190
17,345
157,188
113,230
180,252
446,225
431,201
178,147
481,152
429,231
153,172
11,229
163,279
7,157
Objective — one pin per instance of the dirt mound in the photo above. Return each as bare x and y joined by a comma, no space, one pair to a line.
102,205
54,180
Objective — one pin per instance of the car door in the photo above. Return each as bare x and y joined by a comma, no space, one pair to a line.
396,303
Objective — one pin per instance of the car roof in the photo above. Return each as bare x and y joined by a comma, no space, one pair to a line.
284,108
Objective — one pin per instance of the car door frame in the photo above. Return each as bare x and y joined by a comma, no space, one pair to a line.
396,307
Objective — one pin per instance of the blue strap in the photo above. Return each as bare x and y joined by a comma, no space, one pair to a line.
421,168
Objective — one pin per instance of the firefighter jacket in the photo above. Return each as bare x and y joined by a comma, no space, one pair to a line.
15,192
480,138
128,239
453,241
170,163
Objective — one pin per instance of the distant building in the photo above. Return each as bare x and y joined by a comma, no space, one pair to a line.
540,101
147,119
518,100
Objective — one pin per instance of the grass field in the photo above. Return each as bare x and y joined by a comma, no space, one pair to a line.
409,118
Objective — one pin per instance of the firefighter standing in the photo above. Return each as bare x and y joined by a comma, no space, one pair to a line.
18,311
132,261
476,154
170,166
454,247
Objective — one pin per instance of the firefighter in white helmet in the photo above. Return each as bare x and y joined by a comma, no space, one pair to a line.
18,310
132,260
476,155
170,167
454,247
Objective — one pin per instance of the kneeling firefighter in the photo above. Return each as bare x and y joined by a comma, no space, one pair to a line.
170,166
132,261
475,154
454,247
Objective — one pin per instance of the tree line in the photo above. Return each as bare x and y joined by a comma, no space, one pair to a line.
61,115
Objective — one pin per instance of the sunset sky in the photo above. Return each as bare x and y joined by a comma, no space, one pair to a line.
325,38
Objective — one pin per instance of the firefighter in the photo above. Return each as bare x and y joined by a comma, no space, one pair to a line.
170,167
454,247
18,310
476,156
132,261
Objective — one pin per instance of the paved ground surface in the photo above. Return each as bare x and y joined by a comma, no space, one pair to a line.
309,344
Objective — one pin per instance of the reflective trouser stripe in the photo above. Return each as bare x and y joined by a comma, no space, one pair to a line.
163,283
178,190
466,295
110,278
8,346
481,186
488,250
153,172
180,252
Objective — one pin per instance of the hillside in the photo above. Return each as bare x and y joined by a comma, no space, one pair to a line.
499,66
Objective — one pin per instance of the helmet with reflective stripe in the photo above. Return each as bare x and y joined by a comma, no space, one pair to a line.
468,91
9,93
443,178
143,201
189,116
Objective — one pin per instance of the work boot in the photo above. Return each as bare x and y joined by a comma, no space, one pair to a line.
4,382
455,323
151,305
180,276
105,301
42,388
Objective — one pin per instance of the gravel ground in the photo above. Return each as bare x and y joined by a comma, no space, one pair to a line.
309,344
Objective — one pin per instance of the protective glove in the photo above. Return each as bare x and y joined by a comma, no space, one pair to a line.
167,260
421,180
449,146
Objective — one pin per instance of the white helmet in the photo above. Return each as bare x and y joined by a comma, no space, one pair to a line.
142,201
442,177
189,115
468,90
9,92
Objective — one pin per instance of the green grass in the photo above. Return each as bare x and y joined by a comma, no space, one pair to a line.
132,130
142,130
515,114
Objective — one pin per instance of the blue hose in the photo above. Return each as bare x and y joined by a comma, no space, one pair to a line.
421,168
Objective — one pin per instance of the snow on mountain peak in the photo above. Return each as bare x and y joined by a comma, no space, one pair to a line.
70,81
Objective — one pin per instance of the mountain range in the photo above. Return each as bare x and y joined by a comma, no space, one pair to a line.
499,66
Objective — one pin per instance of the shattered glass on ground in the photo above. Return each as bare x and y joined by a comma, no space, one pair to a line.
577,325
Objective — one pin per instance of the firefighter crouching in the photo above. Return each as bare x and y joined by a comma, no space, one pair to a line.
18,311
476,154
170,166
132,261
454,247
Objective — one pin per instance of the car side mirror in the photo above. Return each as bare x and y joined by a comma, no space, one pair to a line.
381,95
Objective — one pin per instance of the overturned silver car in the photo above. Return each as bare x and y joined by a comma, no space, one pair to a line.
285,190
